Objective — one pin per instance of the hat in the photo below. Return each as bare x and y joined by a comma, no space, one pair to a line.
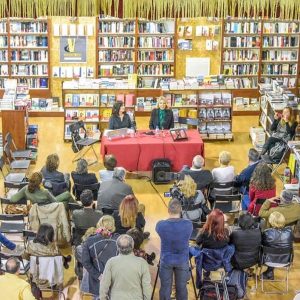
287,197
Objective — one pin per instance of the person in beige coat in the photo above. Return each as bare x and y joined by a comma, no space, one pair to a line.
126,276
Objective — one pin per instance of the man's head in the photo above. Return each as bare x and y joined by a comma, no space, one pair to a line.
198,162
86,198
246,221
110,162
12,265
119,173
174,208
253,155
125,244
286,197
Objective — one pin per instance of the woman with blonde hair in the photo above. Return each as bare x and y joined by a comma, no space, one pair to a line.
161,117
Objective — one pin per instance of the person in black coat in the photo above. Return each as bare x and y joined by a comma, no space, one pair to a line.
119,118
161,117
81,176
247,241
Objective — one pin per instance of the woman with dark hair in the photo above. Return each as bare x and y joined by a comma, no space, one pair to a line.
119,118
213,235
262,186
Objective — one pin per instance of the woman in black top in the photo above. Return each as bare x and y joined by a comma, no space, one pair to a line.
119,118
161,117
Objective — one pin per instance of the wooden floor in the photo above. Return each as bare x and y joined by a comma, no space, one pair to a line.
51,140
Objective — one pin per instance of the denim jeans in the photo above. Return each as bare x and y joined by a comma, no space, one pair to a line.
181,274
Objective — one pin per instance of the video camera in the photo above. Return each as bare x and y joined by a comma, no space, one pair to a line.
175,192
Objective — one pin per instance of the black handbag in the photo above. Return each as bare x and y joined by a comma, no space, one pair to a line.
35,290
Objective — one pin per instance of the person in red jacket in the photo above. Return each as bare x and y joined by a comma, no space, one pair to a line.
262,186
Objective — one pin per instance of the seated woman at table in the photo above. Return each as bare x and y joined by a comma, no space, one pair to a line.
119,118
161,117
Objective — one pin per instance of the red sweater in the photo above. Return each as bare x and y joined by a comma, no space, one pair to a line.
255,194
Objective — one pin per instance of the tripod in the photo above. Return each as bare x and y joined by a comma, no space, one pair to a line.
192,277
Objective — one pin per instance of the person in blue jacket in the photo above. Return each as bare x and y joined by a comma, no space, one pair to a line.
6,242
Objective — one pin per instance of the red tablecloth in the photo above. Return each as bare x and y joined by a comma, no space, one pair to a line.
137,153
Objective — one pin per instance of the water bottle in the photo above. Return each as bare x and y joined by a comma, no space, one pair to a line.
157,131
287,174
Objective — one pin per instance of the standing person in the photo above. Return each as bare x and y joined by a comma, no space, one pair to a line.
161,117
126,276
174,234
119,118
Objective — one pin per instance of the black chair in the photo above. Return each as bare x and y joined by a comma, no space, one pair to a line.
16,153
14,164
226,188
73,206
228,203
79,188
5,201
12,224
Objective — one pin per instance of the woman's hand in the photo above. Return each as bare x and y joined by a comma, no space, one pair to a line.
277,116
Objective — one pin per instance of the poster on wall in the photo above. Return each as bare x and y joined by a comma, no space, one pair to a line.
73,49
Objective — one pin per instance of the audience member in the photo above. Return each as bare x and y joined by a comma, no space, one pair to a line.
86,217
278,237
126,276
37,194
247,241
6,242
119,118
138,239
96,250
13,287
224,173
112,192
109,162
262,186
81,176
192,201
128,216
174,234
203,178
285,205
213,235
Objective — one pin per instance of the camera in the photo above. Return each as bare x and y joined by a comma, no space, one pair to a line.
175,192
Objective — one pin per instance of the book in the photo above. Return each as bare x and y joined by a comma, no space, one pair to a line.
129,100
75,100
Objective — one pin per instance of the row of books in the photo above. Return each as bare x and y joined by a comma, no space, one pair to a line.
3,28
239,42
209,99
25,27
117,27
210,114
241,69
35,83
3,41
110,99
116,41
88,115
106,113
238,55
155,42
73,72
29,41
115,55
214,127
3,70
29,70
281,27
288,82
241,83
33,55
45,104
146,103
77,100
156,69
184,113
181,99
279,69
167,26
243,27
113,70
156,55
279,55
280,41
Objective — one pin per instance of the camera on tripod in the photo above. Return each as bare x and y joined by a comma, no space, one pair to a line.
175,193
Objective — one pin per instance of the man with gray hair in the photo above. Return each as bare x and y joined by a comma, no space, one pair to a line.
126,276
202,177
112,192
11,286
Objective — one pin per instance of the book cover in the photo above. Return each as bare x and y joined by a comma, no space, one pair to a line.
129,100
106,113
95,100
120,97
104,99
69,114
175,114
82,101
75,100
89,100
81,114
111,99
68,100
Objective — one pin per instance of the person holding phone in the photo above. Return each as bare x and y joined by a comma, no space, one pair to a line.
283,129
119,118
161,117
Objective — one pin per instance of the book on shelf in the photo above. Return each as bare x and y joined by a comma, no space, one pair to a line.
242,42
155,42
105,114
279,55
281,27
28,27
156,69
166,27
175,114
115,70
280,41
156,55
129,100
251,27
116,55
241,55
116,41
240,69
89,115
29,41
111,99
120,26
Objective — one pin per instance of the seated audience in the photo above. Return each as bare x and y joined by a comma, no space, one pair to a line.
86,217
174,234
81,176
224,173
192,200
203,178
37,194
262,186
109,163
128,216
112,192
138,239
285,205
126,276
247,241
11,285
99,246
6,242
213,235
278,236
55,181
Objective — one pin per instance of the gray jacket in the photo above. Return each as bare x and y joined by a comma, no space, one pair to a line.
86,217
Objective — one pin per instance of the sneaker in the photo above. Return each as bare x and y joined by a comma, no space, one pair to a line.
146,235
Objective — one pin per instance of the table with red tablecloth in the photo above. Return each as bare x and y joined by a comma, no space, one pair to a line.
137,153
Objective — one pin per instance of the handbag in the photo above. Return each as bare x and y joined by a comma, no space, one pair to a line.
35,290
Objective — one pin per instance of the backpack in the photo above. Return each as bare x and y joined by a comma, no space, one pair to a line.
211,290
238,278
277,152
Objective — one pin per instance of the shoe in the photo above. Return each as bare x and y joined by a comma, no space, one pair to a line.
66,260
146,235
268,275
206,275
150,258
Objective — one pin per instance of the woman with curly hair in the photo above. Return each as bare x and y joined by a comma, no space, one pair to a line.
262,186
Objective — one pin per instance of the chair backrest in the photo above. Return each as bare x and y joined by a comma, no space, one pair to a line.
228,203
74,206
2,164
79,188
277,255
225,188
8,202
7,154
10,218
14,185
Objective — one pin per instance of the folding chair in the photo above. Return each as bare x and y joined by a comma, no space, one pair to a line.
12,226
28,235
284,265
79,188
24,266
226,188
5,201
21,164
79,144
16,153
